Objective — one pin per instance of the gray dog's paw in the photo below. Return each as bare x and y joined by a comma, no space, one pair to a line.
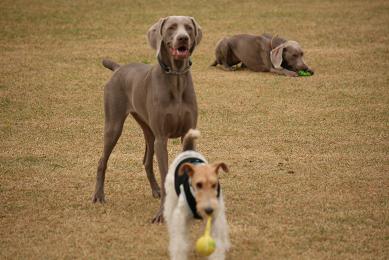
291,74
156,192
229,68
98,197
158,218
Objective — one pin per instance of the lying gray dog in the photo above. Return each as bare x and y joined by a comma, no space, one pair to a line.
160,97
264,53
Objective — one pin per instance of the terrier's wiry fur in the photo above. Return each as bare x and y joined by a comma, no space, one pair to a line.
203,183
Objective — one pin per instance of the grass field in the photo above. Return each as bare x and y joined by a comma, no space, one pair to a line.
309,157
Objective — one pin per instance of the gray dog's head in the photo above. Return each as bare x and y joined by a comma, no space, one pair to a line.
289,55
178,35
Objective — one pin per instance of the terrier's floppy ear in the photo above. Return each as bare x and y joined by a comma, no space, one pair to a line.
276,56
154,34
219,166
186,168
198,33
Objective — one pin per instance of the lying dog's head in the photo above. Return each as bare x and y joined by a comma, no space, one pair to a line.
178,35
289,55
204,181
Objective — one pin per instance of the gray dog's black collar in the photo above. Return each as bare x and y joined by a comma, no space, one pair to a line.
169,70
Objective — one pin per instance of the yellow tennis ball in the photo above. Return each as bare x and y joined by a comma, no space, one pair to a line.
205,245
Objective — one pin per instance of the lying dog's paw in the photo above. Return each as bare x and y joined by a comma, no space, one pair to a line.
291,74
311,71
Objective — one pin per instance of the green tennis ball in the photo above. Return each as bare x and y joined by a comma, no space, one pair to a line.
304,73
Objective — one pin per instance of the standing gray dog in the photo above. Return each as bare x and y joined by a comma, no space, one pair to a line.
264,53
161,98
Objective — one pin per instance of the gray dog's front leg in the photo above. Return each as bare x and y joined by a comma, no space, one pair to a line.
285,72
148,163
162,158
148,157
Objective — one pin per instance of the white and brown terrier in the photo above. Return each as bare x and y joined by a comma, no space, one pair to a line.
193,191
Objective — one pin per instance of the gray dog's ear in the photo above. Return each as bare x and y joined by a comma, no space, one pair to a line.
276,56
154,34
198,31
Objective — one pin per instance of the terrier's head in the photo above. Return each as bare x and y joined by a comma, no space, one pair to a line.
204,179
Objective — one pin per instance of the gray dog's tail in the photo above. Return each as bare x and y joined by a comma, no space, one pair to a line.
109,64
188,142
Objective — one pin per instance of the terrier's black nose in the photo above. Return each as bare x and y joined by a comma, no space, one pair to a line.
208,211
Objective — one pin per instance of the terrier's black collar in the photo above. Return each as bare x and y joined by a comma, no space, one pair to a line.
169,70
184,180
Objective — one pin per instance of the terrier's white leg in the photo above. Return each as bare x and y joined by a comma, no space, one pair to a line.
171,199
220,233
178,231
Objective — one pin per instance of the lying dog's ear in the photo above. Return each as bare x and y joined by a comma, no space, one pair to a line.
154,34
276,56
186,168
219,166
198,32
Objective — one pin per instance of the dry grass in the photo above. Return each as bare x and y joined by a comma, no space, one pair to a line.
308,156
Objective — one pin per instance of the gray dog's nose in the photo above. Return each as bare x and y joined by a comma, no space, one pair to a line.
183,38
208,211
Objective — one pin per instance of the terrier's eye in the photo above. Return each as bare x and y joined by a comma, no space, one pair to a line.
213,186
199,185
295,55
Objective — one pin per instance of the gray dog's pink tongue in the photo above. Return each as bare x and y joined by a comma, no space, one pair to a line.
178,53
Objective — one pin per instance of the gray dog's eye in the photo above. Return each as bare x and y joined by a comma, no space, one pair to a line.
188,28
172,27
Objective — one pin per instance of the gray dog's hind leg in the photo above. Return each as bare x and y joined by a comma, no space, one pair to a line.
115,115
111,136
225,65
228,67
